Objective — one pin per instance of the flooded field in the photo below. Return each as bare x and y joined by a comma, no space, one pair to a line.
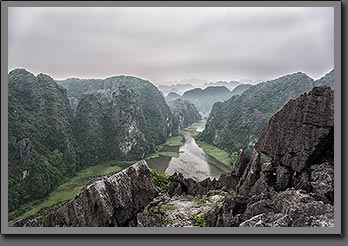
192,161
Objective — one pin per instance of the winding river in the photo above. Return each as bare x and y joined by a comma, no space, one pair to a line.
192,161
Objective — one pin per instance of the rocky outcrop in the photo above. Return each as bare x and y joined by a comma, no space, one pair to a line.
110,201
25,146
240,164
288,208
299,141
322,181
298,134
250,175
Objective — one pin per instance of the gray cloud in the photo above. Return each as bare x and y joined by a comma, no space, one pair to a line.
163,44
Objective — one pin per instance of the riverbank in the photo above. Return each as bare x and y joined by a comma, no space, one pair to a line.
226,158
221,155
170,148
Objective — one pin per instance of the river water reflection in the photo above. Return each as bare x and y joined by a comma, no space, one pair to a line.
192,161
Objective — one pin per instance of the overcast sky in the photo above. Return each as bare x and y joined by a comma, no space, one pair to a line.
165,44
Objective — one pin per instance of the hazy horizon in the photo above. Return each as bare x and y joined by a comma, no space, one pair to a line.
164,45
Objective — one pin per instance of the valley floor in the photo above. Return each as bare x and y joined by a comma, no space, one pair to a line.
169,150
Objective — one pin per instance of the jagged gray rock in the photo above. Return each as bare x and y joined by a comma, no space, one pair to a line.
240,164
303,209
251,174
267,220
283,178
297,134
110,201
322,181
25,150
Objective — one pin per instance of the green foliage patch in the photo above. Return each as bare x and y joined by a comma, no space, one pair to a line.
169,206
160,179
175,141
199,220
219,154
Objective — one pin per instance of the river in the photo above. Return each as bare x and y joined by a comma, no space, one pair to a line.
192,161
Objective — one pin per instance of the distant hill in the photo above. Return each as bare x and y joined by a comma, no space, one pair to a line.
240,89
229,85
205,99
172,96
177,88
327,79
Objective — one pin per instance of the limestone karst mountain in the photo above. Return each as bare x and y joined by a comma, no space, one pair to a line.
237,122
172,96
293,189
119,118
42,149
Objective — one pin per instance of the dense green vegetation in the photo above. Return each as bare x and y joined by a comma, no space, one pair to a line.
127,114
65,191
199,220
199,201
184,114
237,122
42,150
175,141
119,118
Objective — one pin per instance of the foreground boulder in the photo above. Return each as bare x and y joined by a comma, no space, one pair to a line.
298,134
110,201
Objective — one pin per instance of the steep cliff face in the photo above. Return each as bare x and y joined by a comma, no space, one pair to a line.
89,131
130,115
237,122
184,114
41,144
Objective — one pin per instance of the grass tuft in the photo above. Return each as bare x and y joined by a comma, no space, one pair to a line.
199,220
160,179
